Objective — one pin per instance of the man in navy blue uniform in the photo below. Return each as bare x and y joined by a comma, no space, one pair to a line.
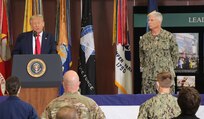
13,107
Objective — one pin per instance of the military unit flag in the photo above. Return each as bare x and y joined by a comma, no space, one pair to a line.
123,68
63,36
5,53
87,63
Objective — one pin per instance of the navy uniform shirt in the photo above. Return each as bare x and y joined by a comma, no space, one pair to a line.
157,54
14,108
161,106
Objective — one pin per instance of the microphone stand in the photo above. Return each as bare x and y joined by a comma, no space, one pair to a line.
35,35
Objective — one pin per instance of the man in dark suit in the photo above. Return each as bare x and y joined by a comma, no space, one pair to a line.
36,41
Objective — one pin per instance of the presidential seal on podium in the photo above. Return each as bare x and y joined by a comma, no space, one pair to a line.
36,68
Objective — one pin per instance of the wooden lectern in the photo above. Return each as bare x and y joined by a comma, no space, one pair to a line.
40,76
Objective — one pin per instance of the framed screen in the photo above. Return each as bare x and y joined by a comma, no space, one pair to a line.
188,44
185,81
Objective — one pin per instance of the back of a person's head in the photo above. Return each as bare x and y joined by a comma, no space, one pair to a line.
71,81
67,112
165,79
12,85
189,100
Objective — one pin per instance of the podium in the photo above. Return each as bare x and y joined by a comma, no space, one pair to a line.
40,77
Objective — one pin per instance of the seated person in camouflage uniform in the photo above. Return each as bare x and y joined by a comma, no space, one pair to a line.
164,104
67,112
189,102
85,106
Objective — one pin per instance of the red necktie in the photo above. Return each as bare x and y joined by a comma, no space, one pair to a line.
38,48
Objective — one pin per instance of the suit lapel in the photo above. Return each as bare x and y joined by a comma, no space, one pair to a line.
30,42
43,45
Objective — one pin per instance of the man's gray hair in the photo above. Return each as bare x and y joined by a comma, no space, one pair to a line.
158,15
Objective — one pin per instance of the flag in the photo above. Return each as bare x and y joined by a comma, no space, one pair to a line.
2,85
123,69
32,7
27,15
37,7
115,21
87,64
63,36
5,53
152,6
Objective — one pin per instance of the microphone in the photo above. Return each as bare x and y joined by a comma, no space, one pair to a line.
35,33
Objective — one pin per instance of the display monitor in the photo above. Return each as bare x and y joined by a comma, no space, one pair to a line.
188,45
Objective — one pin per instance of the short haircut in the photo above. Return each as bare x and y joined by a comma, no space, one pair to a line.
67,112
189,100
12,85
158,15
165,79
37,15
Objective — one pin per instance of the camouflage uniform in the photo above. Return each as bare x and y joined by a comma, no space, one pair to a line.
157,54
86,107
161,106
